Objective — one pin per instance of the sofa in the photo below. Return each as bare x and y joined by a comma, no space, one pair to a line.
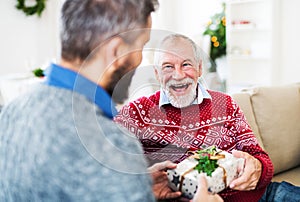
274,114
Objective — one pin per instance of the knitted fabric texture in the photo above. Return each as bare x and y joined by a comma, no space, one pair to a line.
57,146
167,133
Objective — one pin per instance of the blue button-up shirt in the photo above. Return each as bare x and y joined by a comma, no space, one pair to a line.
68,79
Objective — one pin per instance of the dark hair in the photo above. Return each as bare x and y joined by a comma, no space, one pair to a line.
85,24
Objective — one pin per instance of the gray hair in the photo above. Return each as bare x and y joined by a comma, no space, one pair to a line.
173,38
85,24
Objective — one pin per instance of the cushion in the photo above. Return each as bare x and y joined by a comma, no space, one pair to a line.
277,113
291,176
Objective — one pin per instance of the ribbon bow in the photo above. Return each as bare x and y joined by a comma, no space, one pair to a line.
212,154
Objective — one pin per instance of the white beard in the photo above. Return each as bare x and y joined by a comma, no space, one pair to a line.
183,100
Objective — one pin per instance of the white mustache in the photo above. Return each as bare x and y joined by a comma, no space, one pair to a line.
179,83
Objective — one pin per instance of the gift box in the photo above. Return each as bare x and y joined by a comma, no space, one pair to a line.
185,177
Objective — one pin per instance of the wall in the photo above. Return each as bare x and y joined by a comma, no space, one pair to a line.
289,41
27,42
185,16
30,42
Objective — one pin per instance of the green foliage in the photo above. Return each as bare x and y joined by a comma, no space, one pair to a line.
205,164
216,29
31,10
38,72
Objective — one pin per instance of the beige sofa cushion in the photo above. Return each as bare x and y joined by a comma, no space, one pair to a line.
277,113
292,176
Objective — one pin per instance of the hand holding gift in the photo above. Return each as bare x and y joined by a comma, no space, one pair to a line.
251,174
219,167
162,191
202,195
160,186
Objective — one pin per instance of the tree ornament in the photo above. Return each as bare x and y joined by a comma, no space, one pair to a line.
216,29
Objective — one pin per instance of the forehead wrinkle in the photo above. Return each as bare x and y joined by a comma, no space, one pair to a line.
167,58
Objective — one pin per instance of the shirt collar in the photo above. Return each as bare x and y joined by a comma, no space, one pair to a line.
202,94
68,79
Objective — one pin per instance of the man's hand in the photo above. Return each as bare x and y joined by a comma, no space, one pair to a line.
202,195
160,186
251,173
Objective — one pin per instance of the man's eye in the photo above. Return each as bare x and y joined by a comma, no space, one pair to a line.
186,64
167,67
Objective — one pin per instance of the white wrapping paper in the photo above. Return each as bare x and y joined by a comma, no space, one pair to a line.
219,180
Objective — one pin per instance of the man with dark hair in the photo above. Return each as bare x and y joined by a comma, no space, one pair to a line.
58,142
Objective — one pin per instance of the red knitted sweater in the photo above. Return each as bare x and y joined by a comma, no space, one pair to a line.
166,133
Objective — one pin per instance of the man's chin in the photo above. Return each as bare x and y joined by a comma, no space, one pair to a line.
120,93
178,94
181,101
118,87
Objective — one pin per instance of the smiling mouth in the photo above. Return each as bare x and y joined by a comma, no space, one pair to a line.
180,87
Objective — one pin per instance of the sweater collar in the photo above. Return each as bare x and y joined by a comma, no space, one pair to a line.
65,78
202,94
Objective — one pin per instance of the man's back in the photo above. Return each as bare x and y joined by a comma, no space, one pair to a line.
57,146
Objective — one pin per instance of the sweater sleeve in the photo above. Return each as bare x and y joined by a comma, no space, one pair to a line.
135,114
128,117
247,142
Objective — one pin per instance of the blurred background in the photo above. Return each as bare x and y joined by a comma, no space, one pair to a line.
248,42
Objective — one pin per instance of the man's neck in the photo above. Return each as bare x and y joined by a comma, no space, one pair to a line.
91,70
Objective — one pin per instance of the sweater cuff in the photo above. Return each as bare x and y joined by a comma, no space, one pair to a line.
267,172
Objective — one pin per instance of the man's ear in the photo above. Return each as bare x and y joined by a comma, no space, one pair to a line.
200,69
112,49
108,55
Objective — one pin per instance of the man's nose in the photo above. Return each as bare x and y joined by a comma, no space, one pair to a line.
178,73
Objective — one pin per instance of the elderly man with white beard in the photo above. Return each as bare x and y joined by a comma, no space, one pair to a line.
183,116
